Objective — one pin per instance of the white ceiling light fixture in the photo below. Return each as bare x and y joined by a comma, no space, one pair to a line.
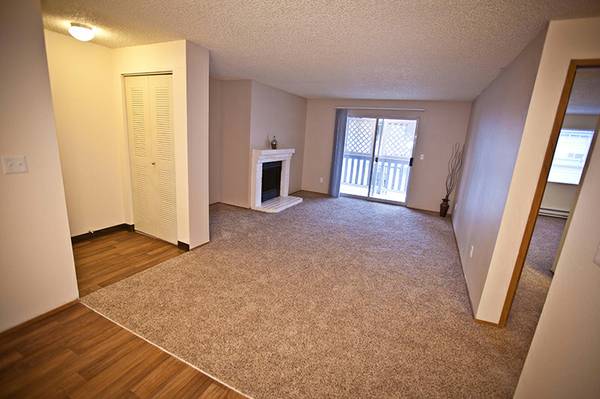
81,32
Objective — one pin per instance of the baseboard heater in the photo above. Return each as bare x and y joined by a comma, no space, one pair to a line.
557,213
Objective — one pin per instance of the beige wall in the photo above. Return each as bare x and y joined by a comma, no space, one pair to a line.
197,89
81,77
581,121
565,40
159,57
564,357
235,141
36,261
495,132
89,98
559,196
281,114
215,146
244,113
441,124
190,127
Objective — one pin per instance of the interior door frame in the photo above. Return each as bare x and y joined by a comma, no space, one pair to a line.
542,181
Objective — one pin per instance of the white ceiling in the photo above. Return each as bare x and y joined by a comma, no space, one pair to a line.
585,94
383,49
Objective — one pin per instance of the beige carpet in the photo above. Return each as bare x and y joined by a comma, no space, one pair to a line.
333,298
544,243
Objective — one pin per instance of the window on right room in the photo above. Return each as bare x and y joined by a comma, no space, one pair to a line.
570,156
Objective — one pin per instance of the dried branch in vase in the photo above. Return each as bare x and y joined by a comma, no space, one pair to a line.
454,167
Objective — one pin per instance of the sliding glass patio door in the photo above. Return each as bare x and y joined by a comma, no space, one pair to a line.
378,155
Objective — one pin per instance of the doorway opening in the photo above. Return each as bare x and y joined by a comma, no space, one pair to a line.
378,156
563,172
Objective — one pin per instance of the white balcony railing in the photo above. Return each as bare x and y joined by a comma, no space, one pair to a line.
390,175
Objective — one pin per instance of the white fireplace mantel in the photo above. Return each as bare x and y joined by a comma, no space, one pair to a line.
284,200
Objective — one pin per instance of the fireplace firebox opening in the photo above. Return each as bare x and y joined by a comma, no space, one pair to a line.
271,180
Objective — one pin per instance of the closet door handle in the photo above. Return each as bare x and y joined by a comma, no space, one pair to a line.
153,163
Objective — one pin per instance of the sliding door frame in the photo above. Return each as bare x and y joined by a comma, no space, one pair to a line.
411,159
372,166
376,142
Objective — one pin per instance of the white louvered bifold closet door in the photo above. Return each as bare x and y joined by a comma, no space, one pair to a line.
163,145
152,153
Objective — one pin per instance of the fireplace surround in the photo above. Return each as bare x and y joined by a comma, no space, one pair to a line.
282,201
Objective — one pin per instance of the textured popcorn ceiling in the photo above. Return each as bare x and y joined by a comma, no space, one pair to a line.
417,49
585,95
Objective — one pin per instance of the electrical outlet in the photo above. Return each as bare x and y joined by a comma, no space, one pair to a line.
471,251
14,164
422,157
321,180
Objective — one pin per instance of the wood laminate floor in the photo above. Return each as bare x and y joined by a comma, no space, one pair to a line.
107,259
76,353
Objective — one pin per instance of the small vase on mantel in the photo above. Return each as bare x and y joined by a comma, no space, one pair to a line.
274,143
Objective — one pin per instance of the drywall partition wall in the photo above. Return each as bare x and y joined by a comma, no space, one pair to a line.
36,261
190,126
581,121
92,129
564,357
243,114
561,197
565,40
442,123
215,145
197,60
281,114
235,141
160,57
495,132
81,78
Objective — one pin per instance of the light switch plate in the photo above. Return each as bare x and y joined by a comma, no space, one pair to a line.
597,256
14,164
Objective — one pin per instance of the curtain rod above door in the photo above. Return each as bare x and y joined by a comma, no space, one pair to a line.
383,109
